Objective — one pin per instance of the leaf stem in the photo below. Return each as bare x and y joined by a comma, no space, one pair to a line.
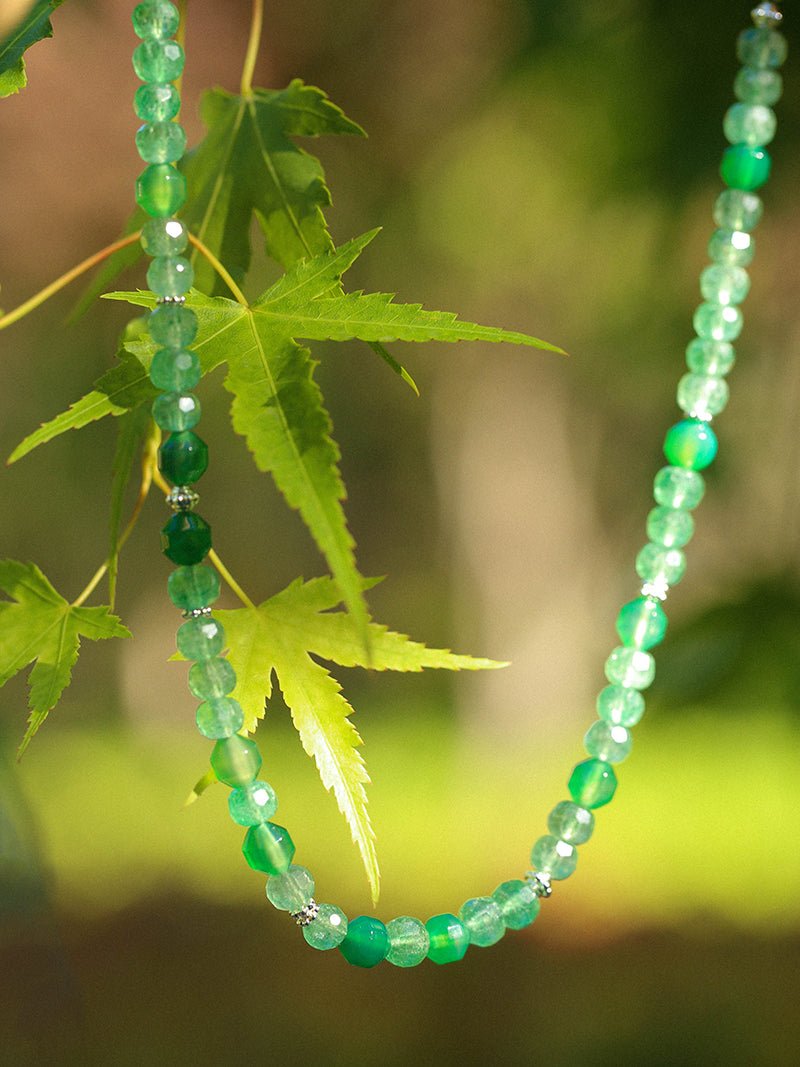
253,44
205,251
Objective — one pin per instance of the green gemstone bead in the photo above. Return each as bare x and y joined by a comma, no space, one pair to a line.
718,322
191,588
449,938
702,396
630,667
328,930
269,848
571,823
154,102
660,566
212,678
592,783
164,237
691,443
557,859
172,325
292,890
721,284
161,142
235,760
519,904
676,487
736,210
155,19
744,167
641,623
670,527
609,743
175,370
618,706
161,190
761,48
176,411
754,86
484,921
408,941
170,276
252,803
186,539
750,124
734,248
219,717
183,458
366,943
158,61
710,357
200,638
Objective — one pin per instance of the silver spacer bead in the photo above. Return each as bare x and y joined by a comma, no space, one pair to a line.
171,300
197,613
766,16
307,913
540,883
182,498
658,590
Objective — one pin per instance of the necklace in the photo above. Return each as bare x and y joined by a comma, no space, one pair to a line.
690,446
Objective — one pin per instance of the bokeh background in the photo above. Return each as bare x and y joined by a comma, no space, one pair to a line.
545,167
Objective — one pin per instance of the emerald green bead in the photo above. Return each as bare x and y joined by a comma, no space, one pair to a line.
592,783
750,124
641,623
736,210
175,370
519,904
161,142
734,248
212,678
762,48
170,276
366,943
252,803
609,743
660,566
691,443
292,890
172,325
670,527
200,638
328,930
745,167
757,86
630,667
676,487
176,411
183,458
618,706
723,284
710,357
154,102
155,19
449,938
219,717
269,848
702,396
186,539
557,859
718,322
191,588
158,61
161,190
571,823
408,941
235,760
484,921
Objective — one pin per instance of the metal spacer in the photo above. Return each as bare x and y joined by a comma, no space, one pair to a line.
658,590
540,883
197,613
171,300
182,498
307,913
766,16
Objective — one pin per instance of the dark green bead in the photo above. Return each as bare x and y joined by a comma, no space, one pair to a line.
691,443
592,783
176,411
235,760
269,848
210,679
161,190
186,538
641,623
366,943
158,61
175,370
155,19
183,458
155,102
191,588
449,938
200,638
172,325
744,167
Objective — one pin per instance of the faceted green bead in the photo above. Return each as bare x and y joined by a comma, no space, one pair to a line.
761,48
200,638
691,443
183,458
212,678
592,783
618,706
219,717
609,743
252,803
235,760
670,527
676,487
519,904
158,61
161,190
292,890
484,921
630,667
175,370
170,276
660,566
735,248
744,167
186,539
366,943
154,102
702,396
737,211
755,86
161,142
571,823
155,19
191,588
408,941
750,124
164,237
641,623
176,411
722,284
172,325
269,848
710,357
718,322
328,930
449,938
557,859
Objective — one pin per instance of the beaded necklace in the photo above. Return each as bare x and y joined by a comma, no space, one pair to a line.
690,446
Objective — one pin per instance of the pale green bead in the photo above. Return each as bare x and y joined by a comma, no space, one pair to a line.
219,717
408,941
721,284
735,248
670,527
609,743
630,667
761,47
519,904
737,211
702,395
164,237
710,357
751,124
170,276
176,411
200,638
677,487
660,565
252,803
329,928
718,322
754,86
570,822
484,920
161,142
619,706
292,890
553,857
212,678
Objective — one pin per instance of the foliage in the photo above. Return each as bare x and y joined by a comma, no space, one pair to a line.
33,27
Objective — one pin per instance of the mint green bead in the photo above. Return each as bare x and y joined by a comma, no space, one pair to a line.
609,743
186,539
154,102
449,938
676,487
691,443
734,248
155,19
745,167
557,859
408,941
592,783
641,623
670,527
484,921
519,904
737,211
268,847
183,458
158,61
212,678
176,411
702,396
750,124
200,638
292,890
366,943
191,588
175,370
659,565
328,930
252,803
718,322
630,667
170,276
619,706
762,48
164,237
161,190
235,760
172,325
723,284
755,86
710,357
571,823
161,142
219,717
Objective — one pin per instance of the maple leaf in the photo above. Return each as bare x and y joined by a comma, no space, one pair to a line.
34,26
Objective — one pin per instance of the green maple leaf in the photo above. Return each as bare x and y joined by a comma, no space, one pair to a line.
34,26
39,624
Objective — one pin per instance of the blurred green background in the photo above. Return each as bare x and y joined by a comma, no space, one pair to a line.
548,168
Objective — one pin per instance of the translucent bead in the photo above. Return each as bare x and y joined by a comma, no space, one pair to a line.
609,743
718,322
367,942
220,717
176,411
761,48
200,638
164,237
670,527
175,370
619,706
155,102
212,678
155,19
710,357
691,443
328,930
592,783
571,823
161,142
660,565
484,921
170,276
408,941
676,487
252,803
557,859
750,124
193,587
449,938
268,847
158,61
183,458
735,248
235,760
186,539
519,904
641,623
721,284
172,325
292,890
736,210
744,167
630,667
754,86
702,396
161,190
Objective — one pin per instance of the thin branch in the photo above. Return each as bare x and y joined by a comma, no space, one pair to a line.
253,45
205,251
